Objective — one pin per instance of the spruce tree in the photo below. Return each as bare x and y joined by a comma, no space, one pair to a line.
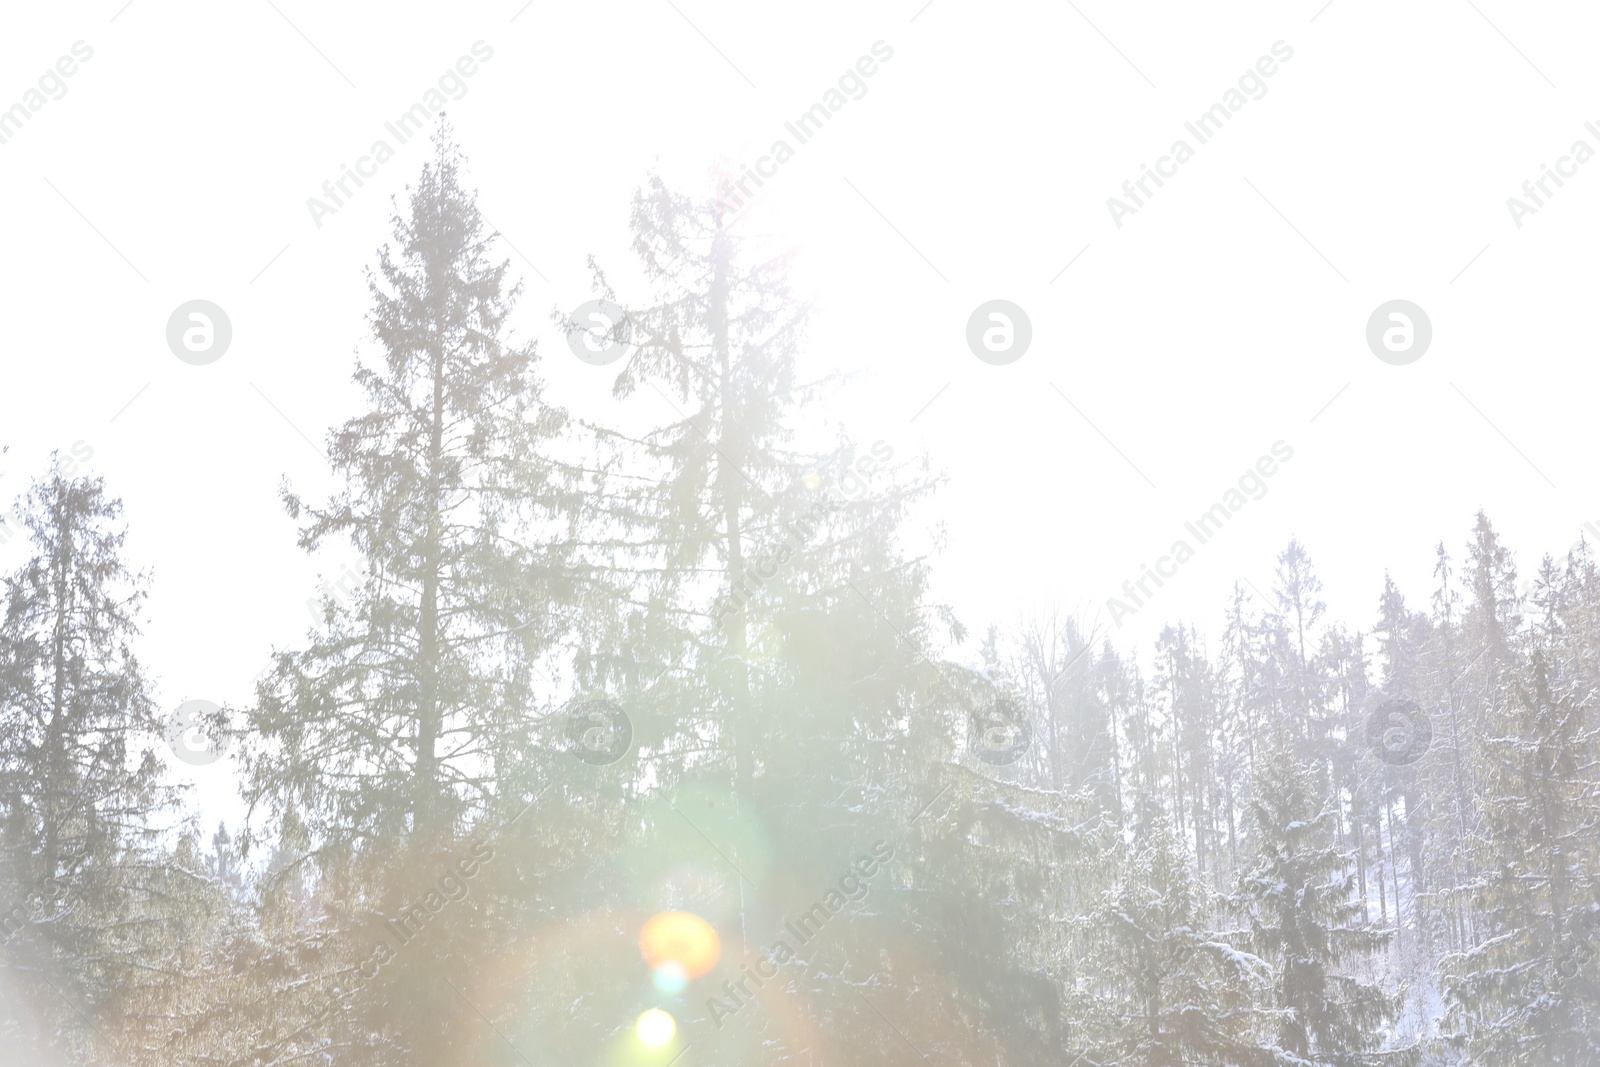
1304,922
421,709
412,703
1172,992
81,790
1529,991
795,650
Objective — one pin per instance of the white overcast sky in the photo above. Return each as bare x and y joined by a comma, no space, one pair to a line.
1222,317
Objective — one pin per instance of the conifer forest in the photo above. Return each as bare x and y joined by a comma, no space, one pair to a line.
626,746
696,534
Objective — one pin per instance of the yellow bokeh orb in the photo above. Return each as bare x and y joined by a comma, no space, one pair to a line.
682,939
655,1028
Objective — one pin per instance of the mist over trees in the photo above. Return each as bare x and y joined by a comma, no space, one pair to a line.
593,674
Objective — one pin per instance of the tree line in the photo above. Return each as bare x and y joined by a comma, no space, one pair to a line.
1300,843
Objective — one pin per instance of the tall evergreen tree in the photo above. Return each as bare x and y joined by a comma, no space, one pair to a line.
1178,994
421,710
412,704
740,532
81,790
1515,997
1304,922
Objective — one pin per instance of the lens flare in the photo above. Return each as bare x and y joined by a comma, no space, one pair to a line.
670,978
655,1028
677,937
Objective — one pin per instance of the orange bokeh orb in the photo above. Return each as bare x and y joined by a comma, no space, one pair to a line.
681,938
